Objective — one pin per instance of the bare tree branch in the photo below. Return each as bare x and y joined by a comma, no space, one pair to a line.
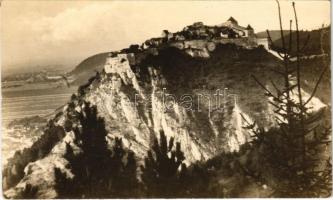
290,36
298,60
324,70
281,28
305,43
272,45
278,91
261,85
277,71
316,86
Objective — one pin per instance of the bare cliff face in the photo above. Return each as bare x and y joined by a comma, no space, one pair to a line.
200,110
204,103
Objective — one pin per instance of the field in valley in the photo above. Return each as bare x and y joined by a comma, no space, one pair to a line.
24,102
18,104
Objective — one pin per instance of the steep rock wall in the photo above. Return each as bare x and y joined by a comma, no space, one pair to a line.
137,105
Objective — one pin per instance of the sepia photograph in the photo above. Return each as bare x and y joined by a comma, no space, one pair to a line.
165,99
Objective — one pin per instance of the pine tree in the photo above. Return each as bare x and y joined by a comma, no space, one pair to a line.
63,185
98,172
294,150
29,192
124,182
163,168
195,182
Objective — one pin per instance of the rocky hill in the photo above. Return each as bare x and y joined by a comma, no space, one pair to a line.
87,68
309,40
275,34
204,102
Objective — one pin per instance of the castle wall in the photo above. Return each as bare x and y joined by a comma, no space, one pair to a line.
244,42
120,63
201,48
179,44
195,44
110,62
203,53
194,47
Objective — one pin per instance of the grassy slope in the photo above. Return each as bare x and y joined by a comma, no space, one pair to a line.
88,67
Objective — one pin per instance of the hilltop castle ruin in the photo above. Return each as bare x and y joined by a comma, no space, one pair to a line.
196,40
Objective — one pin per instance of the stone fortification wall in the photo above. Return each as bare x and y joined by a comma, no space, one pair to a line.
194,48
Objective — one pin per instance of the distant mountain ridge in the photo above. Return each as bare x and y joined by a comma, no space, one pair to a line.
275,34
88,67
311,38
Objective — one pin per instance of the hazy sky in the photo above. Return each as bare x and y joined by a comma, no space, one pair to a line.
66,32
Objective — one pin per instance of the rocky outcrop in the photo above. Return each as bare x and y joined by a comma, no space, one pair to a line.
204,103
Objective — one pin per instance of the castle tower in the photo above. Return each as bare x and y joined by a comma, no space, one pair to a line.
232,20
250,31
